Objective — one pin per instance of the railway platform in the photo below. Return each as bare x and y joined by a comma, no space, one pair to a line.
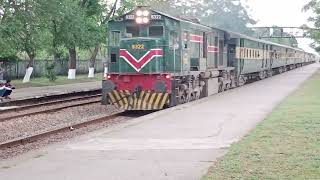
177,143
39,92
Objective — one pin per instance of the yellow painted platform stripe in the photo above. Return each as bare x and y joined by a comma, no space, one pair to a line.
157,103
151,101
164,100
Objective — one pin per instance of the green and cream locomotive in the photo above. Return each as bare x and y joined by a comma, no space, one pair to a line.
156,60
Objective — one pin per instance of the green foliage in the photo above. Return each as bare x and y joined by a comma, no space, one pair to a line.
226,14
314,6
50,74
21,28
54,26
277,32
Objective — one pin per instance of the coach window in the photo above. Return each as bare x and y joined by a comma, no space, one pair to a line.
114,38
156,31
133,31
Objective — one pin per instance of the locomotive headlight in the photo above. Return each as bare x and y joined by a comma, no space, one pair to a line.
139,20
139,13
145,20
145,13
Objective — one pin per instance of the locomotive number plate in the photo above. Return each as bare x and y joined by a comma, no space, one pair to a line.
156,17
137,46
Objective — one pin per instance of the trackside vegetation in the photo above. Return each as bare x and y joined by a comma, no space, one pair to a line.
60,80
286,145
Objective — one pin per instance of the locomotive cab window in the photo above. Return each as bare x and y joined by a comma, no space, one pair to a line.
113,58
156,31
115,38
133,31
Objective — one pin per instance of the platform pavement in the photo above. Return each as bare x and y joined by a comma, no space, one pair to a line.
178,143
31,92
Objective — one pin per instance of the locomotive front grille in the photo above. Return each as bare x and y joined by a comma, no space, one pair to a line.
144,100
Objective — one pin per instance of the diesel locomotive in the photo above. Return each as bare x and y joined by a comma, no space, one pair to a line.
156,60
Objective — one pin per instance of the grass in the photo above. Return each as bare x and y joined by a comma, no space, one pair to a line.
43,81
286,145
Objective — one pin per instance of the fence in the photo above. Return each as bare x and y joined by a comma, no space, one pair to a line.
17,69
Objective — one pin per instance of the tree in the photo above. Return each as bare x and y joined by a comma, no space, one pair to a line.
314,6
22,30
98,14
277,32
69,28
6,45
226,14
96,21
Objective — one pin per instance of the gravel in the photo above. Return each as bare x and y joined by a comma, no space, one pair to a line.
12,152
46,107
29,125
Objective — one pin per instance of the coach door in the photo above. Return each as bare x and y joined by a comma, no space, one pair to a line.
272,57
174,52
185,51
231,55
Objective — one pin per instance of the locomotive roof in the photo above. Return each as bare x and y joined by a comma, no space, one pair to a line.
212,27
231,32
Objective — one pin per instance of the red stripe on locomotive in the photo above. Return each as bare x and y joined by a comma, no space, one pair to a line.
213,49
138,64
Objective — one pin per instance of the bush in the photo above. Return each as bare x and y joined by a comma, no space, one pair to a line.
50,74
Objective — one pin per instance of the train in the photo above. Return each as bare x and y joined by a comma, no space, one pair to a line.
156,60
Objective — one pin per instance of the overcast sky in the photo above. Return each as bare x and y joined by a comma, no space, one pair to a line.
280,13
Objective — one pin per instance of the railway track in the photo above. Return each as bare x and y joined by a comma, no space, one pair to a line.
67,128
47,107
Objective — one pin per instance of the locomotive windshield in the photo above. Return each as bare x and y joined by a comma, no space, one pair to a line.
155,31
133,31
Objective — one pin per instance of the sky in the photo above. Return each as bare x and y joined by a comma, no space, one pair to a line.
280,13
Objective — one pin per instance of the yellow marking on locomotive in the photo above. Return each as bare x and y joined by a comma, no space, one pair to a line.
122,98
137,46
135,101
113,100
145,100
157,103
124,95
164,100
119,101
151,100
140,99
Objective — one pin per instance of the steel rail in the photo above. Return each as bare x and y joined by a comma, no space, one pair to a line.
41,135
50,110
